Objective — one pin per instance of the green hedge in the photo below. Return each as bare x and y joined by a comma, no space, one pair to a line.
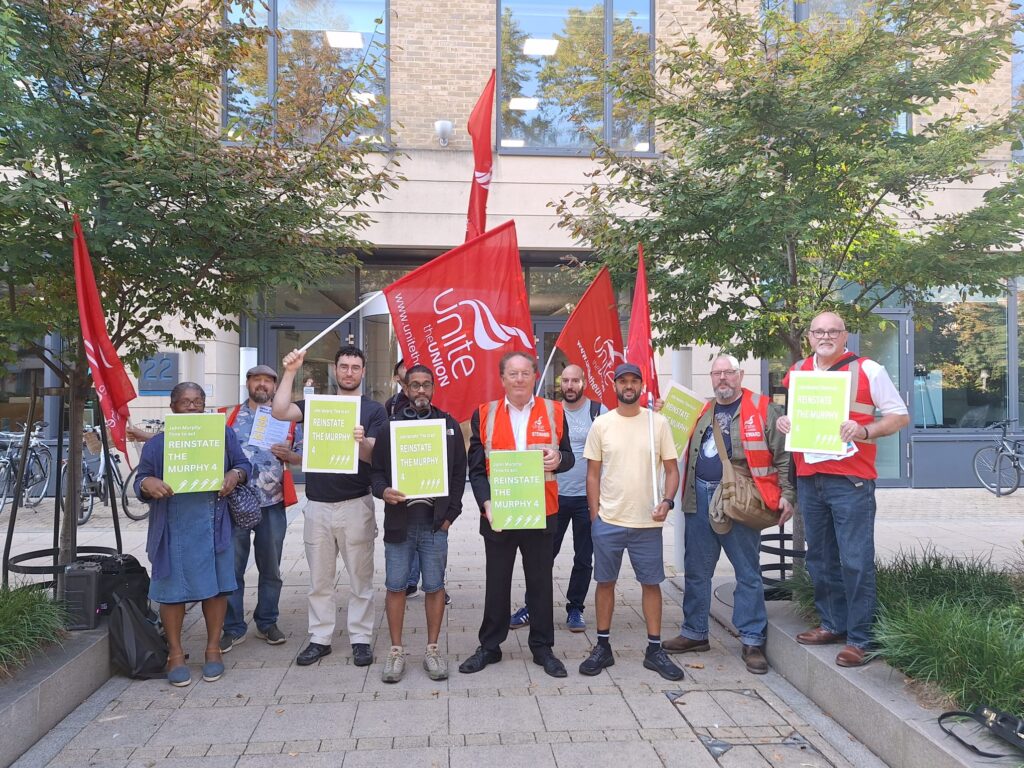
955,622
29,620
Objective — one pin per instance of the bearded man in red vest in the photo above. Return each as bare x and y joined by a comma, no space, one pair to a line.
747,422
837,495
518,422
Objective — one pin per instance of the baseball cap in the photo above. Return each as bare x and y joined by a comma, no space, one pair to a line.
625,368
261,370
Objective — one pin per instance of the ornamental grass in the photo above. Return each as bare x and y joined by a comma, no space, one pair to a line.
29,620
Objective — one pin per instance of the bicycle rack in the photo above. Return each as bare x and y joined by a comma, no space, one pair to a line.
17,563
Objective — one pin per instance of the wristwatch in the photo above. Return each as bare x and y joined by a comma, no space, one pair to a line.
671,504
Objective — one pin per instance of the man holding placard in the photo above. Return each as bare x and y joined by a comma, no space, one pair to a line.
419,470
517,446
836,485
624,450
747,429
339,518
267,444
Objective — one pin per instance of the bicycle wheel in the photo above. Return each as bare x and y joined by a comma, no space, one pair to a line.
4,477
86,496
37,476
996,471
133,508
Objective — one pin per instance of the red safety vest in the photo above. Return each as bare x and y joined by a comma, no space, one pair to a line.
753,426
862,410
544,430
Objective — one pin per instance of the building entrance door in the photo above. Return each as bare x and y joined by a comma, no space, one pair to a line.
545,334
282,336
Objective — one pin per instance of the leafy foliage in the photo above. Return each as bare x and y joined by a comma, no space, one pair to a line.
29,620
785,187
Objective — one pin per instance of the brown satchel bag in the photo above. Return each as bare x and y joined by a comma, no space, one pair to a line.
737,496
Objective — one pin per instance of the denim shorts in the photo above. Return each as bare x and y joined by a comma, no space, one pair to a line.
430,545
644,545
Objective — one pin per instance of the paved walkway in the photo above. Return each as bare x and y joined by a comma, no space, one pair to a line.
268,712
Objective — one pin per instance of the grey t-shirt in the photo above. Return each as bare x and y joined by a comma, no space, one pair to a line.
574,481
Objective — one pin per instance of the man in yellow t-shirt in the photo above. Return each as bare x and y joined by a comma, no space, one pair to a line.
626,516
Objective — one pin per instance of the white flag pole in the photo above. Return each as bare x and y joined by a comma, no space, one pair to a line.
654,462
339,321
540,381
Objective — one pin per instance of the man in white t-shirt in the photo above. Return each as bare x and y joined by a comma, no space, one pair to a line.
626,516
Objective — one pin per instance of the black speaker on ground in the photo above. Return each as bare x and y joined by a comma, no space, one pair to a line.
82,594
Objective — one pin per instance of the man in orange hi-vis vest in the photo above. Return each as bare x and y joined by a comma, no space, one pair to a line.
837,495
747,422
520,422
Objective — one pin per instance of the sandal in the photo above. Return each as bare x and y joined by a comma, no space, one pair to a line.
213,670
178,674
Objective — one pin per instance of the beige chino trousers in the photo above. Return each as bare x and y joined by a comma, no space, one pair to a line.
347,528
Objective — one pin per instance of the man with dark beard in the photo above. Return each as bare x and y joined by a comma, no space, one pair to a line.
268,477
626,515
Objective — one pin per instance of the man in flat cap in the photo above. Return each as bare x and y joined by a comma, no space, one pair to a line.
272,481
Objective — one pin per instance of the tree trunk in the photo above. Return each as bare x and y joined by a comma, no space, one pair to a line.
78,392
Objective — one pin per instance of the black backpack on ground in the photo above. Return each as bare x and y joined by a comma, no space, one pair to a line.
124,574
137,646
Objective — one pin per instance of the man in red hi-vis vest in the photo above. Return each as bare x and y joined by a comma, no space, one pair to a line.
518,422
747,422
837,495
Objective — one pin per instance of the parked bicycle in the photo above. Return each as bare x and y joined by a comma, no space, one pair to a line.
998,466
94,482
37,467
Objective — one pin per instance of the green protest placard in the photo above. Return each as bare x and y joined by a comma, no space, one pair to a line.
517,490
819,401
194,451
328,443
419,458
681,409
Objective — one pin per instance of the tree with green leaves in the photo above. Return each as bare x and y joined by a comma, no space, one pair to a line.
786,186
112,109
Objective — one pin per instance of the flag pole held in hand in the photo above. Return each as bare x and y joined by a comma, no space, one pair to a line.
338,322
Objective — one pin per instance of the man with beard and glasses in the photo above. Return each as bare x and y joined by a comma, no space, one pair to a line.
338,516
580,413
268,478
626,516
751,438
417,528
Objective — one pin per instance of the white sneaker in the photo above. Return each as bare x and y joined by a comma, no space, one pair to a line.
435,664
394,665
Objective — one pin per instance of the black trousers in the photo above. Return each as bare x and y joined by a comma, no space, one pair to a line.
500,549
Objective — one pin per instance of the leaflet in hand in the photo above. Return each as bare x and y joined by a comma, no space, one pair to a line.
266,430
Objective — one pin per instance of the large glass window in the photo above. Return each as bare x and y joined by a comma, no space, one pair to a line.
312,51
960,361
553,54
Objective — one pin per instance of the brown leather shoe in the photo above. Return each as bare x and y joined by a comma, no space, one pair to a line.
754,658
852,656
682,644
820,636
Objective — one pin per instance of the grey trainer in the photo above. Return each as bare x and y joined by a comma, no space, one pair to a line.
394,665
271,634
229,641
435,663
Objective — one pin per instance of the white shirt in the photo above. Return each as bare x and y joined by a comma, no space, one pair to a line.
884,394
520,418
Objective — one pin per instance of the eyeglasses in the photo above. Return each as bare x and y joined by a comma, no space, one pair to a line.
420,386
724,374
199,402
827,333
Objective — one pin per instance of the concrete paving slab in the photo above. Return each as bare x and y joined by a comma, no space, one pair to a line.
401,718
294,722
587,713
207,726
433,757
522,756
605,754
128,729
494,715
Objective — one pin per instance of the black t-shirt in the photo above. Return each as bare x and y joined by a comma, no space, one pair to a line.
321,486
709,465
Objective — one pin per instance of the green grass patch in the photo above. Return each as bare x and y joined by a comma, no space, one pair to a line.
29,620
957,623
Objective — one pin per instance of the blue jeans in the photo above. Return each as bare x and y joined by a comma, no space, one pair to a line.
573,510
839,520
269,543
703,548
414,570
428,547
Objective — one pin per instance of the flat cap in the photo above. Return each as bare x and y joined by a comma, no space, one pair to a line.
261,370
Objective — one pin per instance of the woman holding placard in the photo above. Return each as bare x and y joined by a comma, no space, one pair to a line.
190,540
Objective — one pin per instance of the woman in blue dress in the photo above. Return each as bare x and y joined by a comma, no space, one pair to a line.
189,543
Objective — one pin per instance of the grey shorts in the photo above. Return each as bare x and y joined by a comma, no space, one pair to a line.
644,545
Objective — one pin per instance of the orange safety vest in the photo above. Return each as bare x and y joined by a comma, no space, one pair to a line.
862,410
753,426
543,430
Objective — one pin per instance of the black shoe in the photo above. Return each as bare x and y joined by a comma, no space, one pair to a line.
598,659
551,663
480,659
410,590
660,662
447,598
312,653
362,656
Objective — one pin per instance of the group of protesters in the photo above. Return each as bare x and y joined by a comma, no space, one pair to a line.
598,467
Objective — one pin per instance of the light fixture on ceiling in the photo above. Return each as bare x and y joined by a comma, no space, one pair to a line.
338,39
540,46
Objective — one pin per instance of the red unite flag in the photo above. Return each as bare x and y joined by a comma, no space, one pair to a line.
459,313
479,127
592,339
113,386
639,347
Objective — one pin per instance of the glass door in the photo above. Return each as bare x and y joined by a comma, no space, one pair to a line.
545,334
279,337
